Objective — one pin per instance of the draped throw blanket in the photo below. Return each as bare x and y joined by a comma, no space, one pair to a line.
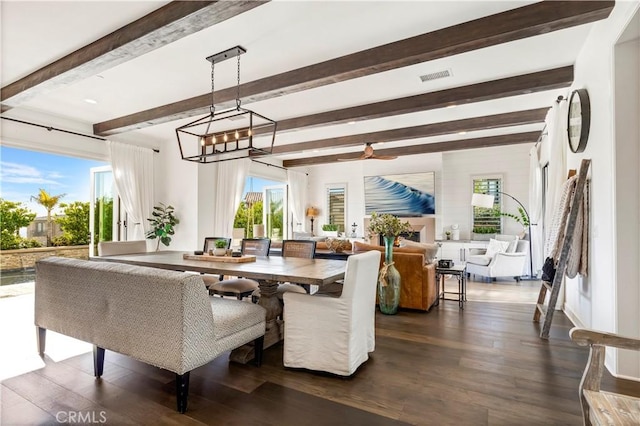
578,252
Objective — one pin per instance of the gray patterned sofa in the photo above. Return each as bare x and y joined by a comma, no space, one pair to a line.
163,318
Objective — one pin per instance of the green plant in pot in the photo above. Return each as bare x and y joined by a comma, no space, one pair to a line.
330,229
163,222
221,247
484,232
389,227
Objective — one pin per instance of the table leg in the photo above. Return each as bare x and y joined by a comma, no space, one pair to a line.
460,291
464,285
274,328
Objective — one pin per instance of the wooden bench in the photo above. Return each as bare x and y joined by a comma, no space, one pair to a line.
600,407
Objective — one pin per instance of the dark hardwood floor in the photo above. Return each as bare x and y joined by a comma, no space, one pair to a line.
484,365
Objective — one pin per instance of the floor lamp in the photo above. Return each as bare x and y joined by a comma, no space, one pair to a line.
487,201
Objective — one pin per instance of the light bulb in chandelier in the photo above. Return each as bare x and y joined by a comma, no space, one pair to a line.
225,138
237,135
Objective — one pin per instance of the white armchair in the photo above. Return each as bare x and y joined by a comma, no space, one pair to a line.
501,264
334,334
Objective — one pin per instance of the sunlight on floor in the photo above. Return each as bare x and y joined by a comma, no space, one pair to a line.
18,336
505,291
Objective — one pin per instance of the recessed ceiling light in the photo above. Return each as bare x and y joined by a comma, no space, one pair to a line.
91,101
462,133
352,122
452,106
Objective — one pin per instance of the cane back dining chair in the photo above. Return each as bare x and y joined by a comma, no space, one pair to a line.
243,287
210,243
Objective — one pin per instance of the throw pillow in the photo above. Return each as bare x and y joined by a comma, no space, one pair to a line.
513,242
496,246
430,250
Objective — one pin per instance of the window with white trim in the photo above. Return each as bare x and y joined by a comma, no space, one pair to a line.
487,221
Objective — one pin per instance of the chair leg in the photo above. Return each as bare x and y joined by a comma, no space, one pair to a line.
258,346
98,361
182,391
41,335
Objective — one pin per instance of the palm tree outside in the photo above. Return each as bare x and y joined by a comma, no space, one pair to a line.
49,202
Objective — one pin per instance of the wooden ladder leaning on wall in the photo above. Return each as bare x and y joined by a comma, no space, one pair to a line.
548,310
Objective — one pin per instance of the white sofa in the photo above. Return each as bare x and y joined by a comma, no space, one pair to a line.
163,318
510,264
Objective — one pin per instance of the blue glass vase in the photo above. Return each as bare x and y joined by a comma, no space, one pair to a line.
388,281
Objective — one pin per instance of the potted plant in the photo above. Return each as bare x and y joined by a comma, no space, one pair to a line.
482,233
330,230
221,248
390,227
163,222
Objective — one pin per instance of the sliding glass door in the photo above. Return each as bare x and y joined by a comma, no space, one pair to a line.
104,217
274,211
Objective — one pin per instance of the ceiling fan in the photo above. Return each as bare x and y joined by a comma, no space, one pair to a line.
369,155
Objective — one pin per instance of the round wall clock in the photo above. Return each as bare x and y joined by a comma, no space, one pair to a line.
578,120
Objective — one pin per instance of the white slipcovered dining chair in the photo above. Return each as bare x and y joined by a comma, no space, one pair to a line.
334,334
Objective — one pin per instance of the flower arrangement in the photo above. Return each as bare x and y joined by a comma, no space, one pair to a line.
388,225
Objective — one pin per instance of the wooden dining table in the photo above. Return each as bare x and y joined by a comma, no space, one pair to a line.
267,271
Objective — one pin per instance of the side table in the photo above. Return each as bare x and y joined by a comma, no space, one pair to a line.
461,272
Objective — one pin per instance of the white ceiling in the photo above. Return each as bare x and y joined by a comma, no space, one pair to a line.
278,36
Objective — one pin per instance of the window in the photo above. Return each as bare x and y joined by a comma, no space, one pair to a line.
39,228
253,218
487,221
336,205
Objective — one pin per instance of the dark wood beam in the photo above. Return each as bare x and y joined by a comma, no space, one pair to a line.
160,27
517,118
527,21
501,140
512,86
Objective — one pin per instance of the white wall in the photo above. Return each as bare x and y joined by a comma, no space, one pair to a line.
460,167
29,137
454,171
593,300
190,188
627,167
352,173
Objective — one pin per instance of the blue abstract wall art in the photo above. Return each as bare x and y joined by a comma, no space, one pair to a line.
402,195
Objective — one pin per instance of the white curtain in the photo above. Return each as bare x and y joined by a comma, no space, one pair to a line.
298,191
556,121
133,176
535,210
229,186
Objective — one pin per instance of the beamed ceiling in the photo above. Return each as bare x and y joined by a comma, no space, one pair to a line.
334,75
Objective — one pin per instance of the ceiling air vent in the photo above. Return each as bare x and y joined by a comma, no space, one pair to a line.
436,75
